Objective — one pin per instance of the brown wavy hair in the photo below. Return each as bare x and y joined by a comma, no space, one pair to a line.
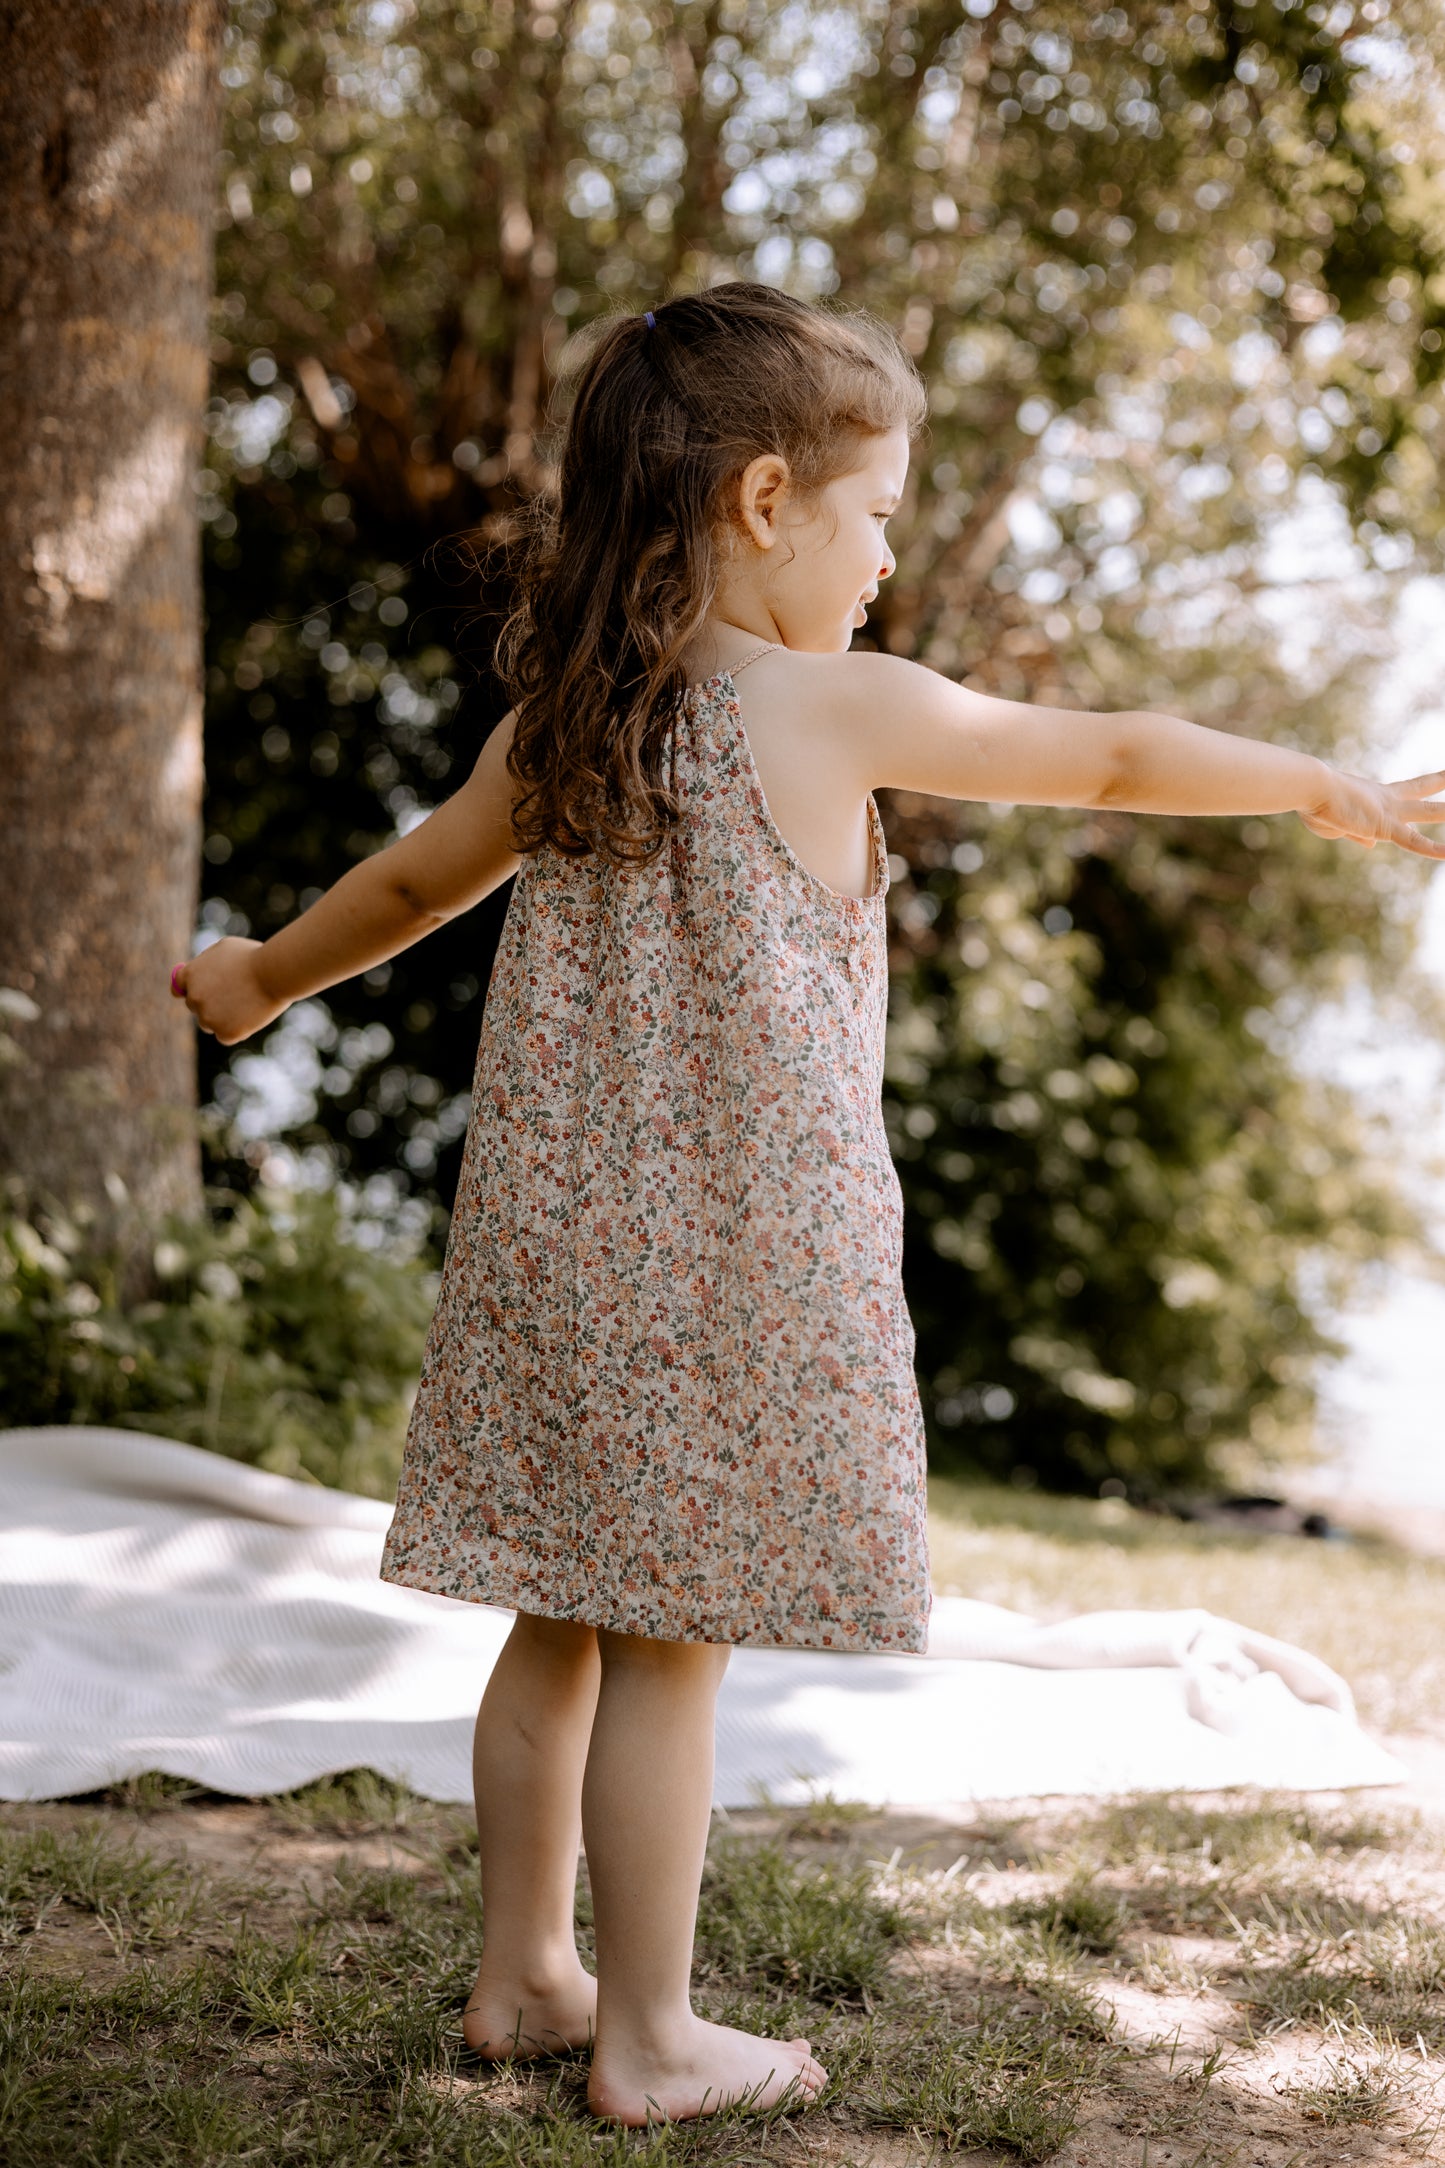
618,568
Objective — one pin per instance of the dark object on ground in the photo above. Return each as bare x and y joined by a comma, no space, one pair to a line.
1271,1516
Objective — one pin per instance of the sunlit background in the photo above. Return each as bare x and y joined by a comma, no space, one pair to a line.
1382,1423
1174,289
1161,1093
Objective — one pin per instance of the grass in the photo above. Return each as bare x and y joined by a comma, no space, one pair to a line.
1348,2091
1386,1976
827,1934
1081,1915
1240,1834
995,2084
137,1898
350,1804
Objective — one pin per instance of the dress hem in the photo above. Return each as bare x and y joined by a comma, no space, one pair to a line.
735,1634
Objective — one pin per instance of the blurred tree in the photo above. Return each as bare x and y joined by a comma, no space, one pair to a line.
1175,278
111,131
107,158
1113,1167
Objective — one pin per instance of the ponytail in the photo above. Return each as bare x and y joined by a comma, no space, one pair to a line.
619,569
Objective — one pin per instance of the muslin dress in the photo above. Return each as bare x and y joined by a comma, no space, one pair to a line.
668,1387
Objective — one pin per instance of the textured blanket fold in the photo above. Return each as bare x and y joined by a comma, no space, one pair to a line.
164,1608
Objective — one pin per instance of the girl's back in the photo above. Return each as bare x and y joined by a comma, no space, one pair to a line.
669,1384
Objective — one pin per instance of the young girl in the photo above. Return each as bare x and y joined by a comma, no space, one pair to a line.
667,1404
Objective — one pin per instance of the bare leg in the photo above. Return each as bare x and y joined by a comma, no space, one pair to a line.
533,1994
646,1805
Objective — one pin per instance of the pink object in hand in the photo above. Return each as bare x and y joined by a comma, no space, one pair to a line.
175,968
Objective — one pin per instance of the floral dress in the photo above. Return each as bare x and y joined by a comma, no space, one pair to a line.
668,1387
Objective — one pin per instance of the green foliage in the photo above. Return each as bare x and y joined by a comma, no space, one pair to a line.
1177,283
274,1337
1112,1165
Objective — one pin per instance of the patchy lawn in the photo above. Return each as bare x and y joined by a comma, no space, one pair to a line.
192,1979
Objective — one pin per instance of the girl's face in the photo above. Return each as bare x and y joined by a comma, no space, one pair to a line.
817,567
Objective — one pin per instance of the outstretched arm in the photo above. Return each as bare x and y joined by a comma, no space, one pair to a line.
916,730
447,863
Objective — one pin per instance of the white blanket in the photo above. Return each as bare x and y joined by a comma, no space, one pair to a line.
163,1608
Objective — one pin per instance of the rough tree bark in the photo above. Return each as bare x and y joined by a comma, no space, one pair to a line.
108,146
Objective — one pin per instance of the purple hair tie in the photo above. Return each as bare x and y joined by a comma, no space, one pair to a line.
651,321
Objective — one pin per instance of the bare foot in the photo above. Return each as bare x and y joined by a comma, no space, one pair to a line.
710,2067
502,2019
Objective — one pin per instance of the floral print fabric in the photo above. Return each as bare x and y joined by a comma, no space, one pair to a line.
669,1386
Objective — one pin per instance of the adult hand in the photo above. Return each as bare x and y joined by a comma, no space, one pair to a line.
222,989
1360,811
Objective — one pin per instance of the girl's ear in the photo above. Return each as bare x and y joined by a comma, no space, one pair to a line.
762,488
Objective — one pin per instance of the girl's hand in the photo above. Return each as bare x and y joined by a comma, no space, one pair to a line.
222,989
447,863
1364,812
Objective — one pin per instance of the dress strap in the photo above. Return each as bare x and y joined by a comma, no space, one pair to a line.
766,648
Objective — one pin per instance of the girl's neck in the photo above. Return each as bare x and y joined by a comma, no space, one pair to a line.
719,643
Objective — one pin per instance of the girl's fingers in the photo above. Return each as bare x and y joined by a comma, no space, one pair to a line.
1422,786
1410,839
1398,831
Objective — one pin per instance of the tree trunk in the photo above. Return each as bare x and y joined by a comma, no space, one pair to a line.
108,149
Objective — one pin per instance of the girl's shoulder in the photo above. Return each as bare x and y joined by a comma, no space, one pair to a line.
860,684
840,708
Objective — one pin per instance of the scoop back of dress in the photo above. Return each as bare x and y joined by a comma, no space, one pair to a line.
669,1387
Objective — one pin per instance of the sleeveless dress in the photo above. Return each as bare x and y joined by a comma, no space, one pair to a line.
668,1387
